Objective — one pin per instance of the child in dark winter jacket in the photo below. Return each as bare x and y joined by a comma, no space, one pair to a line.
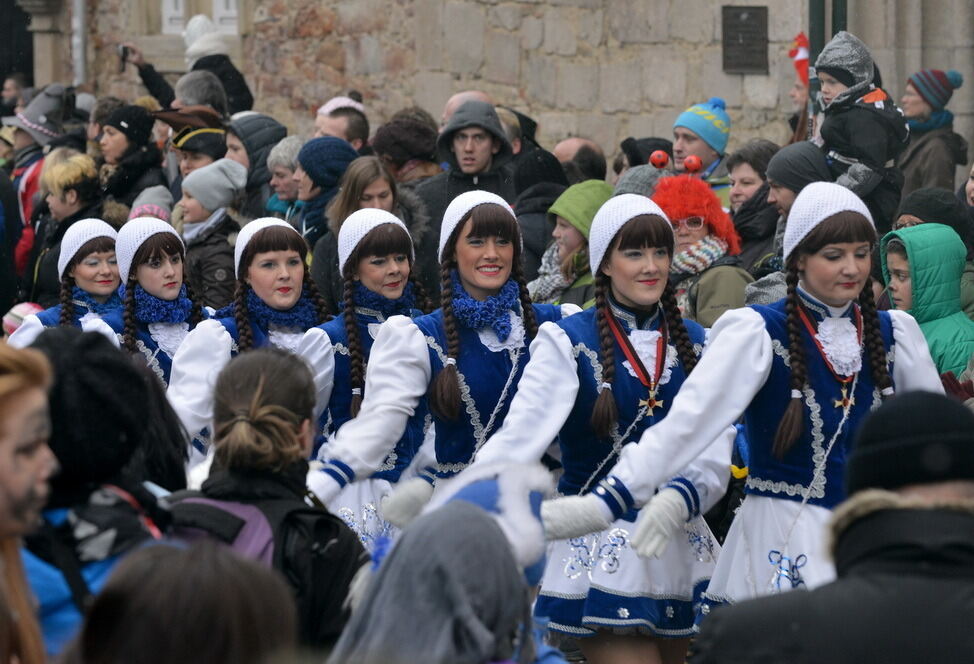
864,130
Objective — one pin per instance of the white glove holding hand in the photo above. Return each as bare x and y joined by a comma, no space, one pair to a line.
406,501
323,485
574,516
195,367
316,350
659,520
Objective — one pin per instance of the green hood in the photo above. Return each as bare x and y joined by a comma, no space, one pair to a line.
579,203
937,261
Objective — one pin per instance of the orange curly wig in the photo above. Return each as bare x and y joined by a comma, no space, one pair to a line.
682,196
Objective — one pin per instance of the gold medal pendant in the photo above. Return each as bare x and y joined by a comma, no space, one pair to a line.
846,400
651,403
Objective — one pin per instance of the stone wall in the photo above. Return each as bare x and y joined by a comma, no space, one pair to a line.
605,69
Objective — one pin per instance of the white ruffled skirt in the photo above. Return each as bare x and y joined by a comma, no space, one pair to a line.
359,505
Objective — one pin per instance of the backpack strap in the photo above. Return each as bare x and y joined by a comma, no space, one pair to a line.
214,521
69,565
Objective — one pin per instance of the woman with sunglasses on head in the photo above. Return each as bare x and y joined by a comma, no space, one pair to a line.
804,372
705,272
467,356
595,382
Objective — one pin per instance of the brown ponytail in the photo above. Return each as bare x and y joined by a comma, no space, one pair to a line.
793,421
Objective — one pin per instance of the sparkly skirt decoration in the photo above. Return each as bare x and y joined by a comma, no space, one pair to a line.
773,546
598,582
359,506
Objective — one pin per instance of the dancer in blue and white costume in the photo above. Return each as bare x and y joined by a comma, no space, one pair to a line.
803,372
157,310
597,381
88,271
375,259
468,355
276,303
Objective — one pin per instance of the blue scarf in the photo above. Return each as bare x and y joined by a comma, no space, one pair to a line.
151,309
303,314
100,308
368,299
936,120
492,312
314,224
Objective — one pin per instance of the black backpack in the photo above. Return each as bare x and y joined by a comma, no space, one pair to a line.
315,551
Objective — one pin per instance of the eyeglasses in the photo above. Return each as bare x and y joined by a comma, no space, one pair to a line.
691,223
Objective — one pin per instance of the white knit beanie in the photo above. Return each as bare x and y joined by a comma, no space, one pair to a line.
131,237
816,203
460,207
79,234
216,185
359,224
609,220
247,234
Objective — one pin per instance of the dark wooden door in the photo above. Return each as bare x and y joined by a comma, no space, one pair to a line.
16,42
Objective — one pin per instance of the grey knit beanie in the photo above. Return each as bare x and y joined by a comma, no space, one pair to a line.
216,185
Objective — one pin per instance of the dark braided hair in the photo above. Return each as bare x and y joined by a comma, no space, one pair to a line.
487,220
245,336
96,245
676,329
846,226
356,361
605,413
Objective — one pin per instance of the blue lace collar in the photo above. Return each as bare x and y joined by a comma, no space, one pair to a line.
84,298
151,309
640,320
492,312
372,301
303,314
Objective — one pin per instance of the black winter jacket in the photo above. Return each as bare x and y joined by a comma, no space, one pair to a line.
259,134
234,84
904,593
136,172
41,281
531,208
209,262
755,222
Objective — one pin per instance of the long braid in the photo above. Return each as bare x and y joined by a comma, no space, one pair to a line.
67,301
605,413
676,329
128,315
527,309
793,420
357,373
422,297
445,392
315,294
873,340
245,336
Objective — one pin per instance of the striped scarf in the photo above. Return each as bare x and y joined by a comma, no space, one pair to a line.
699,256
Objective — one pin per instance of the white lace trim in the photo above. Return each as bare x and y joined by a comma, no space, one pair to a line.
840,342
514,340
374,330
168,336
644,343
151,359
287,338
88,317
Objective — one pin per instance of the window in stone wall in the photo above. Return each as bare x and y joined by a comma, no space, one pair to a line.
225,16
173,17
175,13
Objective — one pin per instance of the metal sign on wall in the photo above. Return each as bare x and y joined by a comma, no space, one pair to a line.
745,39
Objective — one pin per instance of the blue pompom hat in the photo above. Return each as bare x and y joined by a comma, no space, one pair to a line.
709,121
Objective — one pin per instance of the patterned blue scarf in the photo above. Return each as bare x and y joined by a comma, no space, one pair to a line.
492,312
93,305
303,314
403,305
936,120
151,309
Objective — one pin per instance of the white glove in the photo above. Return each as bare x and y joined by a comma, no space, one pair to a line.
659,520
316,350
101,327
574,516
323,485
195,367
406,501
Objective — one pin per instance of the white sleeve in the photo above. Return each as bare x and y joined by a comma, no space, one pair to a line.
316,350
544,400
397,378
195,367
569,310
704,481
28,331
913,368
100,326
735,364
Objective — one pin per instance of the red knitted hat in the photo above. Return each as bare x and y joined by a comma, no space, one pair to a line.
683,196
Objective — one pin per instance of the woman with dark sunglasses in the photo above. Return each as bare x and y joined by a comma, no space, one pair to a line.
706,274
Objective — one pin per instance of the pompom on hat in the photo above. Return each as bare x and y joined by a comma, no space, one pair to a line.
709,121
816,203
936,86
247,234
359,224
77,236
609,220
460,207
132,235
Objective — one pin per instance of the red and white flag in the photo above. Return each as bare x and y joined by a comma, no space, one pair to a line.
799,56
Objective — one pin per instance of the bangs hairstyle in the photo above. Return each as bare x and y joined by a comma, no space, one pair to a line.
77,172
640,232
845,226
489,220
273,238
382,240
159,245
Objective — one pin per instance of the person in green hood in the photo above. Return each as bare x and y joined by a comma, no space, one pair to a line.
564,276
922,267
